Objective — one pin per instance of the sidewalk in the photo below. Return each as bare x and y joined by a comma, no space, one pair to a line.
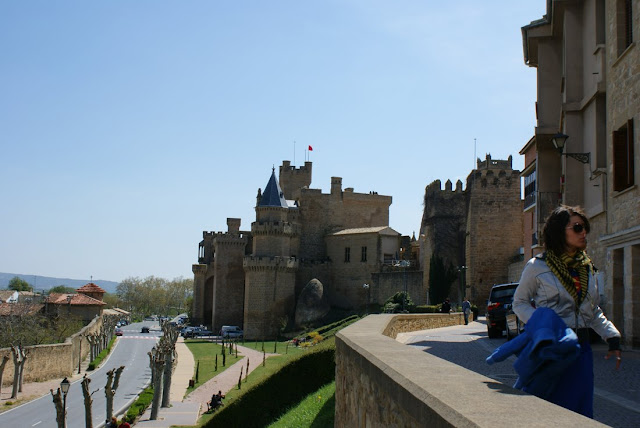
187,410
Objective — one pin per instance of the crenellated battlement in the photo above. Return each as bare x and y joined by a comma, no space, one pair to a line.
293,179
286,167
274,228
436,187
489,163
270,263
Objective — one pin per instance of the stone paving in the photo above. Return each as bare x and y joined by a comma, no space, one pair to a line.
617,392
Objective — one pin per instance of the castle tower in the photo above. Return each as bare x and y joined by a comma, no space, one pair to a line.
494,225
271,270
228,281
292,179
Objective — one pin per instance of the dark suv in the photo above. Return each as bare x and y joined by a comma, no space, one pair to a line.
499,303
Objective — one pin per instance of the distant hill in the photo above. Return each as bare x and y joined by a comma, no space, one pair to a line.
45,282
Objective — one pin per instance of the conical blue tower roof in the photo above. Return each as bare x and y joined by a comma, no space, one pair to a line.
272,195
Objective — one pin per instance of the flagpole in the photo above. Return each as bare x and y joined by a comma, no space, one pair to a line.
294,152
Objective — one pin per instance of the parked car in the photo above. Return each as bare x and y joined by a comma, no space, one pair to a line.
119,332
231,331
201,333
500,301
144,329
513,325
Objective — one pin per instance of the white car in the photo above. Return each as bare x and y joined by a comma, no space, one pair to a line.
231,331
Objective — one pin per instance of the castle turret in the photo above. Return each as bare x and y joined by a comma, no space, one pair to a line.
292,179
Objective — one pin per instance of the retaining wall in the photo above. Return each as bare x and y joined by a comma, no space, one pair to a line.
52,361
382,382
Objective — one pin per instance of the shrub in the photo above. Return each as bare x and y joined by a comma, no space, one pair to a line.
140,405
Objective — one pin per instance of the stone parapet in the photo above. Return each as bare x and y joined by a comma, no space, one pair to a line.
381,382
260,263
274,228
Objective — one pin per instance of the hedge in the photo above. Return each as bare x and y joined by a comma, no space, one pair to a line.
268,400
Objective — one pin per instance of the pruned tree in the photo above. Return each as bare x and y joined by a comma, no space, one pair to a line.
88,401
158,363
2,366
61,412
168,348
113,380
25,355
19,356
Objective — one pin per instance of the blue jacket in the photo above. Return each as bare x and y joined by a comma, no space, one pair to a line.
545,349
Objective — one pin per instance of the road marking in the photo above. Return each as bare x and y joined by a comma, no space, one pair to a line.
37,423
616,399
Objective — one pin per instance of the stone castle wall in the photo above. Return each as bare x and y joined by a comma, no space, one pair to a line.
494,227
386,284
269,294
228,285
443,226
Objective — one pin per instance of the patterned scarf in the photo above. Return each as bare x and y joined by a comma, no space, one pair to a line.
579,263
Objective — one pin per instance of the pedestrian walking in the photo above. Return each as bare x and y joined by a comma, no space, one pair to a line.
466,309
563,279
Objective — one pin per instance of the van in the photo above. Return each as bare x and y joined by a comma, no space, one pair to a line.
231,331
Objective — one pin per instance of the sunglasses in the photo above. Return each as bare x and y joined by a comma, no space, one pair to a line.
577,227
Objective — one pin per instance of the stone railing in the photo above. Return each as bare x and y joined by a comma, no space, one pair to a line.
382,382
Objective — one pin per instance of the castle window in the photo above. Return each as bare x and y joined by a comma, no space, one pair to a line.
363,258
624,25
623,170
347,254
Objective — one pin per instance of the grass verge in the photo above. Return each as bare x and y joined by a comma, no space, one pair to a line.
316,410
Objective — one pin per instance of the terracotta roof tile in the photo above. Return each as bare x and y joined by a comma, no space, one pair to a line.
19,309
76,299
90,288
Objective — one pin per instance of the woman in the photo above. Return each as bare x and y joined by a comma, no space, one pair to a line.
564,279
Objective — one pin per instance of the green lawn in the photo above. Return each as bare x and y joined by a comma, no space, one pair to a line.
316,410
205,354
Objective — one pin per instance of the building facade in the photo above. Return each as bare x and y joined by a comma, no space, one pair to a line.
588,68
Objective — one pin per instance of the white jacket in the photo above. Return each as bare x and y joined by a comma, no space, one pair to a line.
540,285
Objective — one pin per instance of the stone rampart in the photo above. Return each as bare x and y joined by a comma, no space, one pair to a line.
381,382
52,361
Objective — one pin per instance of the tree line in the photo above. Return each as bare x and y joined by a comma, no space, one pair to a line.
154,296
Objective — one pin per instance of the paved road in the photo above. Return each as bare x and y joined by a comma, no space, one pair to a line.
617,393
130,351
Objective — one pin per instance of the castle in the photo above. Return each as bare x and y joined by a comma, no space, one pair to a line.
477,230
253,278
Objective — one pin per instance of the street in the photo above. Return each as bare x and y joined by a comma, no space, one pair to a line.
130,351
617,395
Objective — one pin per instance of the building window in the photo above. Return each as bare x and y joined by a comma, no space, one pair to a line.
624,24
347,254
364,254
623,170
530,189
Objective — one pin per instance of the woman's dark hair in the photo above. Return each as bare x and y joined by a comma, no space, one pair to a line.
553,233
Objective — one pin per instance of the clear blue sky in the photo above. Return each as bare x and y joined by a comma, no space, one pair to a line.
129,127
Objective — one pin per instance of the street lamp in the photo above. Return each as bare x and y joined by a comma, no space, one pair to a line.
559,140
367,288
64,387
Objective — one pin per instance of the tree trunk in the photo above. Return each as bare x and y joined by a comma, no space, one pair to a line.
4,363
110,388
60,410
168,371
88,417
157,389
25,353
17,355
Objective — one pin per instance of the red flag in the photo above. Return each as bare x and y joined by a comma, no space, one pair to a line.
310,148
